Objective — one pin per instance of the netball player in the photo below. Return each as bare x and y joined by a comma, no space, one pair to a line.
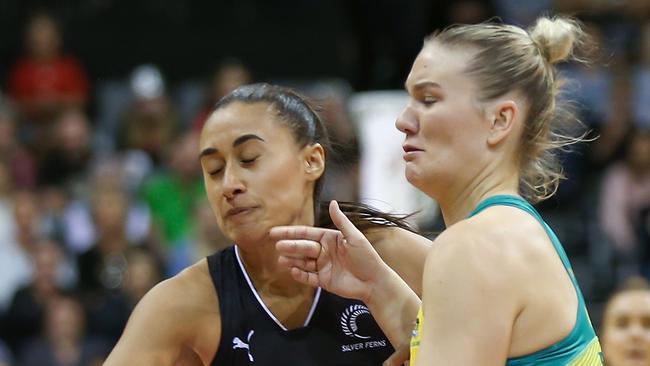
480,130
262,152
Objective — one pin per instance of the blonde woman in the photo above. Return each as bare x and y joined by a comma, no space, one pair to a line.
479,136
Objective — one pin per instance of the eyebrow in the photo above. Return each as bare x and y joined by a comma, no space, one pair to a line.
238,141
243,138
423,84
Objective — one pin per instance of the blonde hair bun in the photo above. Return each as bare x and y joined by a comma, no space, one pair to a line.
556,37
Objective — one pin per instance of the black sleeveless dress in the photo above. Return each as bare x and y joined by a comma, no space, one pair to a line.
338,331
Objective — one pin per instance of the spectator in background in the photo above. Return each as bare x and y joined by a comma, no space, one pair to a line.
103,266
45,81
227,76
63,342
143,272
69,153
26,312
613,132
109,312
172,195
150,122
22,170
626,325
23,226
14,267
625,194
117,172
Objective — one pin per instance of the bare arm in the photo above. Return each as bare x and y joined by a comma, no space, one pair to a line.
468,304
152,336
165,325
394,305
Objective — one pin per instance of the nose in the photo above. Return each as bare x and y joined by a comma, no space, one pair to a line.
232,183
636,331
407,121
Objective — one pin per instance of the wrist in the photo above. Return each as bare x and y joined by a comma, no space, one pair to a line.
385,283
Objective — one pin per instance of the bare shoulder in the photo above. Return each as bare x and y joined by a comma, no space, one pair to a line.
502,246
485,245
184,294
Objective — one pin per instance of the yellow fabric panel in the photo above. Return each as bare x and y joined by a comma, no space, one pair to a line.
590,356
416,335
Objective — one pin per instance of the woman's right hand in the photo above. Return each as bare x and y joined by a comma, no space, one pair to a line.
342,262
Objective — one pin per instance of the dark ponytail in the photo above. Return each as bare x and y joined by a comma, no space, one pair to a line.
364,217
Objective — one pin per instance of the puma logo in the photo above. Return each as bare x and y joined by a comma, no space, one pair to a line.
238,343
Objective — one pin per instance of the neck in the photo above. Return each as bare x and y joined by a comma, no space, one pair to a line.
269,278
261,262
459,201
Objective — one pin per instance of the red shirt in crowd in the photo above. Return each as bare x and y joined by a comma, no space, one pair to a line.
61,80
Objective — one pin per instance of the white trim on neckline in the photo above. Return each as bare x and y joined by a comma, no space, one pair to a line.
263,305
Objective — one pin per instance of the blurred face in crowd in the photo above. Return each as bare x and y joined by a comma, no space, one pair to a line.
64,320
73,133
46,258
142,274
151,125
444,128
43,37
110,208
256,175
26,210
626,329
183,156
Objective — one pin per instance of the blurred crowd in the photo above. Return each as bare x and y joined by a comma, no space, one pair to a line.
101,194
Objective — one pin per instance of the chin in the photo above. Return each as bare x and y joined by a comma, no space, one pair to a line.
245,235
413,177
248,237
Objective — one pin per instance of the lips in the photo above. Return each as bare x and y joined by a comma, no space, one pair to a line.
410,148
410,152
239,211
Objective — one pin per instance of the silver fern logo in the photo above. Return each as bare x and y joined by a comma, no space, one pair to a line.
349,320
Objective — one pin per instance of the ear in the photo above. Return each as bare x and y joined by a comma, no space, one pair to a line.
314,161
502,123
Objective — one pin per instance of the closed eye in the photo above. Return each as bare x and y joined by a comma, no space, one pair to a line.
428,101
249,161
215,172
